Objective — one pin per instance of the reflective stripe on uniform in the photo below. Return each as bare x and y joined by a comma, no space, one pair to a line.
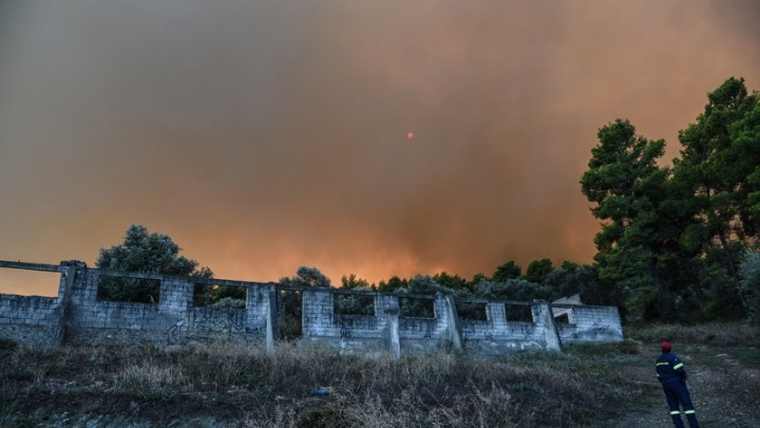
677,366
662,364
675,412
689,412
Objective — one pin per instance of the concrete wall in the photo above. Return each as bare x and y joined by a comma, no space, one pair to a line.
496,335
77,316
31,320
589,324
174,320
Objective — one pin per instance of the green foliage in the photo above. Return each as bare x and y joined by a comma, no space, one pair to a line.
538,269
290,301
672,239
418,308
627,186
144,252
513,289
219,295
307,276
354,304
289,311
419,285
393,284
352,281
509,270
452,282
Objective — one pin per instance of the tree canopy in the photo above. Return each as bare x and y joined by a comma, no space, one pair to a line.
142,251
672,239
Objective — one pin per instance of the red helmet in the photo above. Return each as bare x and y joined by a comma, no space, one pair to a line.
666,345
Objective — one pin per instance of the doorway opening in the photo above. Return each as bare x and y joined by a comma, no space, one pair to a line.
289,314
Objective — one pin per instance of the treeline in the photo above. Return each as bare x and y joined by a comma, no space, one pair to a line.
541,281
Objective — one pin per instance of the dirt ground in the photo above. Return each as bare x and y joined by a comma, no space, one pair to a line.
724,383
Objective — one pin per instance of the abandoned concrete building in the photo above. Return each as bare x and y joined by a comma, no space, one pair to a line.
77,316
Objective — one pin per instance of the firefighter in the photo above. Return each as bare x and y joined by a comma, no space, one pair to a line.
672,375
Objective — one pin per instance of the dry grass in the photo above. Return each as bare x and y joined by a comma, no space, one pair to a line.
245,386
717,334
227,385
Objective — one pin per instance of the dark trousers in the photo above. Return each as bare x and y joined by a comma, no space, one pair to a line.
676,393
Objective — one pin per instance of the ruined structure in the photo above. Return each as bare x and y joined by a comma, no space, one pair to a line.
77,316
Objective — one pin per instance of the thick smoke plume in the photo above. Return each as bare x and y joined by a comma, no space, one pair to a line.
266,135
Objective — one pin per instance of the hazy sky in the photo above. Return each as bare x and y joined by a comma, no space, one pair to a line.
264,135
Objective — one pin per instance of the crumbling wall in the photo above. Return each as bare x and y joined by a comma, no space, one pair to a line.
496,335
583,323
31,320
173,320
320,323
426,334
93,321
77,316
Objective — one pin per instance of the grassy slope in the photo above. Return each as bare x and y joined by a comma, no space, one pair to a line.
605,385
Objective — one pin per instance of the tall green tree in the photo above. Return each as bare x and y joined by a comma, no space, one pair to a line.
672,239
718,173
719,164
627,187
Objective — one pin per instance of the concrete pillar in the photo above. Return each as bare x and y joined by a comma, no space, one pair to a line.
271,318
454,330
68,277
542,315
176,297
392,311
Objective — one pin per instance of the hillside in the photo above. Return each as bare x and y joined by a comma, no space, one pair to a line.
590,385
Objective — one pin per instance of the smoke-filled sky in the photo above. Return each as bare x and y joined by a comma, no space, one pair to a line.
271,134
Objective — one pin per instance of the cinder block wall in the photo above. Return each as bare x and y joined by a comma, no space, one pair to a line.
426,334
76,316
320,323
496,335
174,320
589,324
31,320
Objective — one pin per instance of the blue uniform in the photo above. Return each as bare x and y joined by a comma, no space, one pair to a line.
672,375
